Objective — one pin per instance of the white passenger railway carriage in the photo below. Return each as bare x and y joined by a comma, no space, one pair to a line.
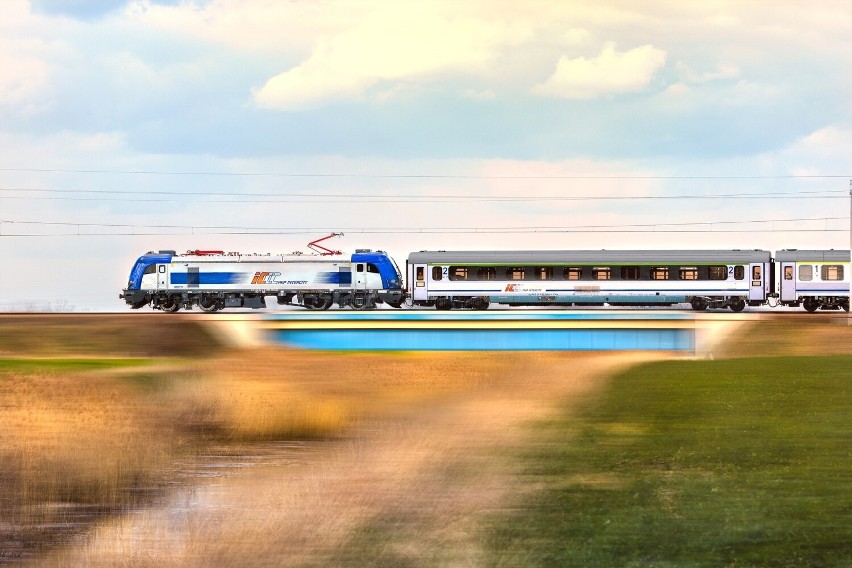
814,279
704,279
214,280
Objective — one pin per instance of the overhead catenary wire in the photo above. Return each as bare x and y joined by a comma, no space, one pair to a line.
418,175
281,197
115,229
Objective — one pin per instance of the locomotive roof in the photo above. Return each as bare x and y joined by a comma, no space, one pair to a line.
527,257
790,255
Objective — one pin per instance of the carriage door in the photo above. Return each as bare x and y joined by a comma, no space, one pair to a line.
788,281
419,289
162,277
360,282
756,289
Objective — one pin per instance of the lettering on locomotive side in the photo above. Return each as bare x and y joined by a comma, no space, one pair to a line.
273,278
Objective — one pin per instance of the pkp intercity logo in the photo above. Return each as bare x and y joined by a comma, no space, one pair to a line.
266,278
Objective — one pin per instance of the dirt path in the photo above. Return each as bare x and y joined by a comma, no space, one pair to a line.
409,487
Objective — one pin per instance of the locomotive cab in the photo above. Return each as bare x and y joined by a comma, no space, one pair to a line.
147,273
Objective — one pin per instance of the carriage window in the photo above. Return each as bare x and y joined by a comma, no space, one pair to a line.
630,273
806,272
660,273
717,272
601,273
458,272
359,267
688,273
486,273
420,272
544,273
162,269
788,273
515,273
572,273
739,272
832,272
436,273
755,272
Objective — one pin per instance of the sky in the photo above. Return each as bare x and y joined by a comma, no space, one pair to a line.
259,125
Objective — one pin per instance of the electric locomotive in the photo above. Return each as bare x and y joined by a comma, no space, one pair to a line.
214,280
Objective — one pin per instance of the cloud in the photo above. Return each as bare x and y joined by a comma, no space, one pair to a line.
22,79
398,43
611,72
722,71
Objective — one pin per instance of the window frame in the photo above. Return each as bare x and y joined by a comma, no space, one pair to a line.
516,273
568,271
598,271
684,273
831,272
720,270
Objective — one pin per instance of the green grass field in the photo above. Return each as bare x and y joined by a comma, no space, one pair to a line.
34,365
693,463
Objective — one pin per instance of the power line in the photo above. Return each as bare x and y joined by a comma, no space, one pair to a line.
249,197
416,176
90,229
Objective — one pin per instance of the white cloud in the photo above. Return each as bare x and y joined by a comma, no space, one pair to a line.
400,42
479,95
611,72
22,79
722,71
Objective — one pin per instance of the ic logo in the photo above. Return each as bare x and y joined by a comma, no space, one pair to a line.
265,277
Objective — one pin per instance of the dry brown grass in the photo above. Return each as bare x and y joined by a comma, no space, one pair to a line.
105,439
407,485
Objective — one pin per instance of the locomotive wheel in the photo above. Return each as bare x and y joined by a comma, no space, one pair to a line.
811,305
845,305
737,304
359,301
481,303
208,303
319,303
699,304
443,304
170,304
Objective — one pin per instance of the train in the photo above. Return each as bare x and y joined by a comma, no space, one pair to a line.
447,280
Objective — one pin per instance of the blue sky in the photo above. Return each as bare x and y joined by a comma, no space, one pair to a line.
135,126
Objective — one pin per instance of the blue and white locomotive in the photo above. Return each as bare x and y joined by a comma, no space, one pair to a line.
214,280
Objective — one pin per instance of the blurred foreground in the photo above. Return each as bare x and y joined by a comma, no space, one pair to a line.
137,441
